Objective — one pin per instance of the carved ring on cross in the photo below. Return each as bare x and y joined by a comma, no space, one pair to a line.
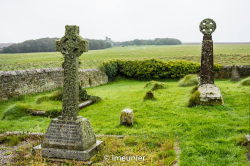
207,26
72,45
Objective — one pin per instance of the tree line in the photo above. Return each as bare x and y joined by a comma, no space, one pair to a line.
156,41
48,44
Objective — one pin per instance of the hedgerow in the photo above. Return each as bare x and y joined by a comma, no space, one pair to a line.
150,68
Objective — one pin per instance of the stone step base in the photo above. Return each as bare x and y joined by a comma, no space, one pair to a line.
70,154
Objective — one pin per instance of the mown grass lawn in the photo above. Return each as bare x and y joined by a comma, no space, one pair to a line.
208,135
225,54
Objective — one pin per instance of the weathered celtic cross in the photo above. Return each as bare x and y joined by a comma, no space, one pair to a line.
70,136
71,46
209,93
207,27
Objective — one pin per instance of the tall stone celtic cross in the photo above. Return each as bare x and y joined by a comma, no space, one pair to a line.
71,46
207,27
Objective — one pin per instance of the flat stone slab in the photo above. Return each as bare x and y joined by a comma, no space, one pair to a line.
210,95
71,154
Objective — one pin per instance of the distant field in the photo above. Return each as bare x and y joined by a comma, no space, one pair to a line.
225,54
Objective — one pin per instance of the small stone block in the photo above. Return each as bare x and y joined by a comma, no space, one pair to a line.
235,76
127,117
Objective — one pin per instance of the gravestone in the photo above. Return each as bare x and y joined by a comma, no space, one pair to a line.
70,136
127,117
235,76
209,93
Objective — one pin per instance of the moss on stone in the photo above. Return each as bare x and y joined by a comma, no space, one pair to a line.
245,82
195,88
189,80
194,99
155,85
149,96
71,45
53,113
212,102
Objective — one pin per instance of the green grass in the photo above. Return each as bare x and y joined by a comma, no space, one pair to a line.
208,135
224,54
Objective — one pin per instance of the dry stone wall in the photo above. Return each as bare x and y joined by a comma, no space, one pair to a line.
16,83
226,71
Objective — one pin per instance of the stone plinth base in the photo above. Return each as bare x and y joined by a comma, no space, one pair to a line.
210,95
70,139
71,154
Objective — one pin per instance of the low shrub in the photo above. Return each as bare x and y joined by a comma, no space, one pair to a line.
150,68
189,80
156,69
155,85
111,69
245,82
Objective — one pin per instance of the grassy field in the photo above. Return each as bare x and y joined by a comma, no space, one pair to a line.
207,135
224,54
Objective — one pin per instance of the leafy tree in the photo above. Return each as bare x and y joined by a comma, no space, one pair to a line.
157,41
48,45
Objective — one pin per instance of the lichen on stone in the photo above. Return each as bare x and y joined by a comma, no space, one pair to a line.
71,46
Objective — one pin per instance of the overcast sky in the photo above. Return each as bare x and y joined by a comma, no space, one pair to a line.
124,19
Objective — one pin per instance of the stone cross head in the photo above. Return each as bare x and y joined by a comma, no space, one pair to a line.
207,26
72,44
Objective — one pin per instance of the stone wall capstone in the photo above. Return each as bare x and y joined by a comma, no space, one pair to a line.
16,83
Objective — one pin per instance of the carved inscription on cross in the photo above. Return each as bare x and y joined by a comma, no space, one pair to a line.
71,46
207,27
